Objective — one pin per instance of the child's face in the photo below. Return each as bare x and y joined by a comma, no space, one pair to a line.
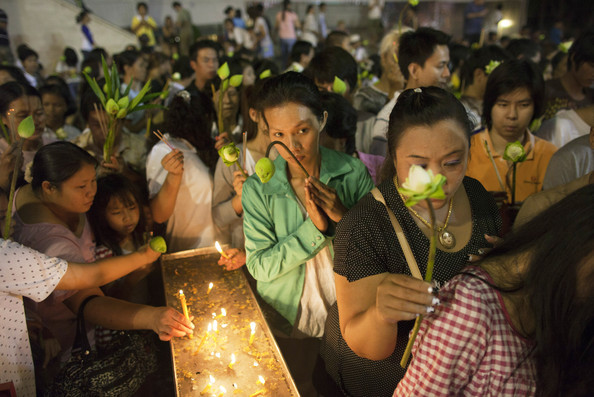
30,64
121,217
55,108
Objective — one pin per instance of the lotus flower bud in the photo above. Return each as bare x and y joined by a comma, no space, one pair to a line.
265,169
26,128
158,244
112,107
123,102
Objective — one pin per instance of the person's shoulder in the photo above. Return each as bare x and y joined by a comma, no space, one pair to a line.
544,148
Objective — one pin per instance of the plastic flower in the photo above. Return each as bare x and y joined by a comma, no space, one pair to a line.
514,152
491,66
421,185
265,169
26,128
339,86
229,153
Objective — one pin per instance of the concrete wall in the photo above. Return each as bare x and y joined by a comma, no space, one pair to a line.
48,26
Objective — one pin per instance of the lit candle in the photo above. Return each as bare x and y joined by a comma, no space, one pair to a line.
256,364
223,391
261,380
182,298
218,247
205,336
253,332
215,326
258,393
209,288
208,386
223,313
232,361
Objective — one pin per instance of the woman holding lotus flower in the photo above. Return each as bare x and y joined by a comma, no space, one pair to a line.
375,288
289,221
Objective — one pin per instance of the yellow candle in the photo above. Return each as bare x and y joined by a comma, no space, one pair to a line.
223,391
232,361
205,336
258,393
218,247
182,298
223,313
261,380
209,288
208,386
253,332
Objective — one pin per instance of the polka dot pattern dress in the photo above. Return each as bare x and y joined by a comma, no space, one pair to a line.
366,245
23,272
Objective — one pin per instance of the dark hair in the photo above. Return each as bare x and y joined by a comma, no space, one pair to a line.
70,57
176,4
559,241
301,47
286,4
335,38
261,65
126,58
88,100
523,48
141,4
108,187
11,91
26,52
508,77
62,91
182,66
479,59
249,100
417,46
556,60
290,87
58,162
421,107
193,122
459,54
15,73
229,20
309,8
81,15
333,62
582,50
228,9
201,44
342,119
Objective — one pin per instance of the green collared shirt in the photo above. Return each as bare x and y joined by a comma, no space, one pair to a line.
278,241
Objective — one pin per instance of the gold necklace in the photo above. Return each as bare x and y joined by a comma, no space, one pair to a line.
446,239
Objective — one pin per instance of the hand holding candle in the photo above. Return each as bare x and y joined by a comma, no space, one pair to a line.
182,298
218,247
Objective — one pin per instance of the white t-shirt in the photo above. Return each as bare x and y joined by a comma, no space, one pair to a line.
191,225
566,126
23,272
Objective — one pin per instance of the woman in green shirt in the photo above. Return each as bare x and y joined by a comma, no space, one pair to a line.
289,222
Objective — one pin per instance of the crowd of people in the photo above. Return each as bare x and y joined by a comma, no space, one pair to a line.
509,310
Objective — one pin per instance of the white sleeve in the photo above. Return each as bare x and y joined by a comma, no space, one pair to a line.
155,174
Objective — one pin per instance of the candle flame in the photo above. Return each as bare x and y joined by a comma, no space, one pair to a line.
256,364
181,291
223,390
261,379
232,358
218,247
253,327
209,327
209,287
212,379
223,312
215,326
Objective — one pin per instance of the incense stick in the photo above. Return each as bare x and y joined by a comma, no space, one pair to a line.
162,138
101,121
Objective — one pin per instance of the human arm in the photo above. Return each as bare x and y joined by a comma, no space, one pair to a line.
163,203
117,314
277,239
82,276
226,194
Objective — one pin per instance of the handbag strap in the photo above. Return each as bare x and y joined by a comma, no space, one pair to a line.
81,341
410,259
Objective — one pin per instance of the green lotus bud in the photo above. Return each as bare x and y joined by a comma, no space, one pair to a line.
87,70
164,94
265,74
122,113
26,128
158,244
339,86
176,76
236,80
61,134
223,72
175,56
229,153
123,102
265,169
413,2
105,89
112,107
514,152
491,66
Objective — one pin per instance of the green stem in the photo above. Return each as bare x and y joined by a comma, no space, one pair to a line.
428,277
241,169
8,140
220,112
290,152
400,18
513,184
15,173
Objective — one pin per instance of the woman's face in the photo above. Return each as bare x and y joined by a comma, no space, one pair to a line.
76,194
441,148
297,127
138,70
31,64
512,113
249,76
230,102
122,218
55,108
23,107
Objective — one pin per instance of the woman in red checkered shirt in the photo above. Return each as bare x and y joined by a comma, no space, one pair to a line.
522,322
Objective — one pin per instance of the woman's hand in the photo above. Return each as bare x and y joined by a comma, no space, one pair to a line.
316,214
235,261
326,199
400,297
149,255
493,240
238,181
173,162
221,140
169,323
115,165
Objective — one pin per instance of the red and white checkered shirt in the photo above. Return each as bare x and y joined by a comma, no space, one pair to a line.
469,347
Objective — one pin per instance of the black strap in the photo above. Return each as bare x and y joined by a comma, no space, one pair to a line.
81,342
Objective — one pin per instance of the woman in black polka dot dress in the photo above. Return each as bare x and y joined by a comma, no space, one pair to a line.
378,299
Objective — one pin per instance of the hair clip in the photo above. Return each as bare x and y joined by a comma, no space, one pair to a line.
418,90
185,95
